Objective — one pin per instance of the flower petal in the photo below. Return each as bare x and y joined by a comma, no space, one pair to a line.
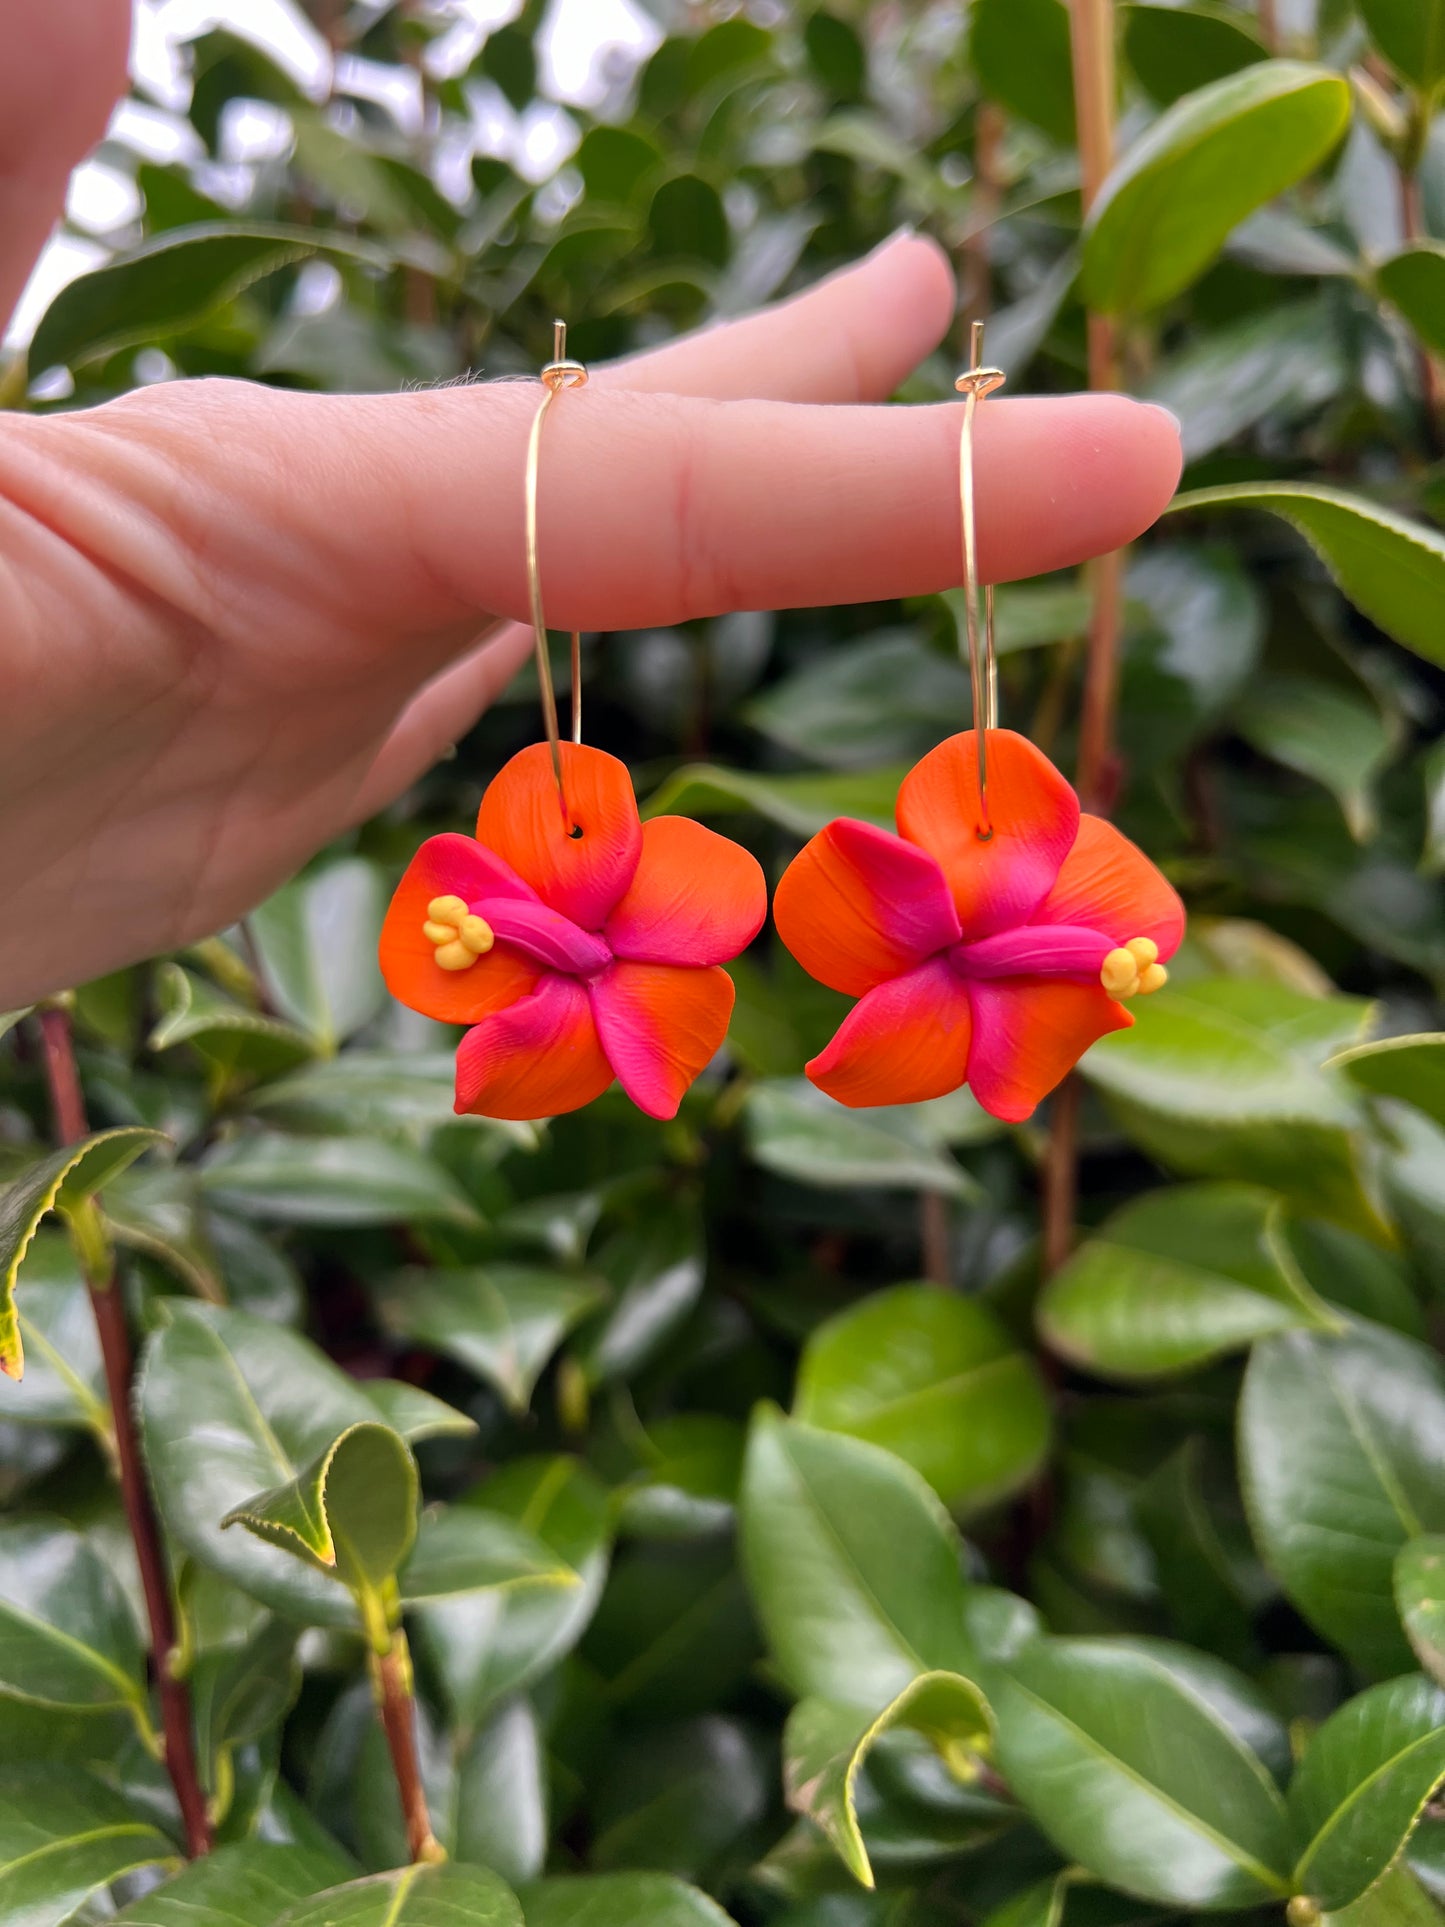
1035,950
521,819
660,1024
550,939
857,906
696,897
451,866
1028,1033
1108,882
538,1058
1033,812
905,1041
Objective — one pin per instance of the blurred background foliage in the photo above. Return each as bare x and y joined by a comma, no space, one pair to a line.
674,1652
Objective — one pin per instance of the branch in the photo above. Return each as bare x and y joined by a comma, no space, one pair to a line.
68,1107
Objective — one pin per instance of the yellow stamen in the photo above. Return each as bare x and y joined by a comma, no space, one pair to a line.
1153,977
446,910
1119,973
1143,949
476,934
455,956
439,932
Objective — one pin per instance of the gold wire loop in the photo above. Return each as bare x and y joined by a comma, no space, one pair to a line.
974,384
559,373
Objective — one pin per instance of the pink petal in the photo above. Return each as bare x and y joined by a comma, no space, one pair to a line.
1034,950
1028,1034
696,897
545,935
1108,883
905,1041
537,1058
857,906
660,1024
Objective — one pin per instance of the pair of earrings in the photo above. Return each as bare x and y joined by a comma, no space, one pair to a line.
990,942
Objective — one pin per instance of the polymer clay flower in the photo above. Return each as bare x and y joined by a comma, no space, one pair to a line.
994,963
577,953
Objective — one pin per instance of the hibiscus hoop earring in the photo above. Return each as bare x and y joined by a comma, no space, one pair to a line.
577,944
1002,931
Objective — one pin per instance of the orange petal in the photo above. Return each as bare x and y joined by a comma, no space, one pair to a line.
906,1041
521,819
857,906
537,1058
448,866
1028,1034
1033,812
696,898
660,1024
1109,884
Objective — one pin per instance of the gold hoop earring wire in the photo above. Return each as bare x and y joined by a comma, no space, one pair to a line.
558,374
974,385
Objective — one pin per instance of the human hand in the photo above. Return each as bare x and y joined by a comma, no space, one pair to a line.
234,621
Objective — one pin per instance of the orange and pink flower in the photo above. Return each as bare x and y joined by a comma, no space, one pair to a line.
993,963
578,954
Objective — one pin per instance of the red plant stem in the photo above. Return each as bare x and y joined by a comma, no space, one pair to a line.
68,1108
1061,1175
982,213
398,1721
1269,25
934,1239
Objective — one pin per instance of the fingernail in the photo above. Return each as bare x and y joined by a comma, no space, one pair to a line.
1168,414
904,233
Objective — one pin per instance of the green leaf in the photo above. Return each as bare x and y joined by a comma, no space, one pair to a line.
316,941
462,1551
934,1378
1420,1600
502,1322
1208,1597
236,1041
60,1182
1411,36
1362,1784
1411,1069
852,1563
1173,50
1225,1078
800,1133
673,1634
619,1900
689,1484
1019,50
268,1404
169,283
351,1512
1278,365
1340,1442
1215,156
1392,569
656,1269
687,219
802,804
1181,1276
1414,281
1137,1776
379,1092
686,1800
245,1884
333,1181
412,1897
64,1375
887,699
825,1747
487,1645
1326,733
1397,1900
63,1837
68,1638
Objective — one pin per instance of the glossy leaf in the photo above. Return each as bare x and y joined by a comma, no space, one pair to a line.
60,1182
418,1896
503,1322
491,1644
1137,1777
170,283
887,697
801,804
1420,1598
688,1484
63,1837
825,1746
381,1092
655,1269
1211,159
1181,1276
333,1181
1361,1785
1411,36
1173,50
933,1378
64,1380
1411,1069
800,1133
316,942
1327,734
245,1884
619,1900
68,1638
1020,53
852,1563
1338,1439
1393,570
1414,282
465,1550
351,1511
233,1038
